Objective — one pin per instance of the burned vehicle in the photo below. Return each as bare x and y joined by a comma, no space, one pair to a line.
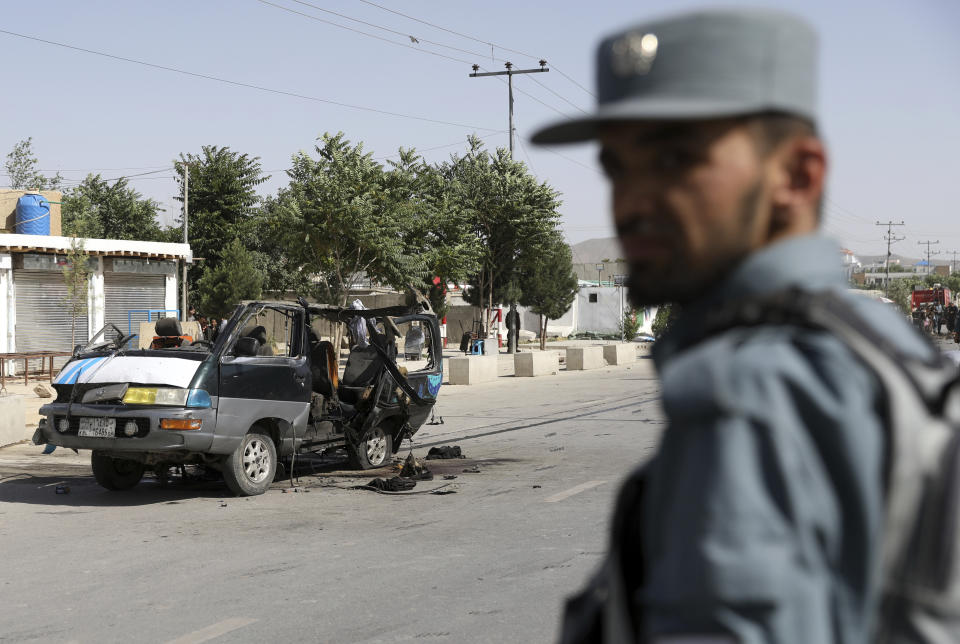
267,388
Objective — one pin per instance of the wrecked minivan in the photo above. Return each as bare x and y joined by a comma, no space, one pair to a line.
268,388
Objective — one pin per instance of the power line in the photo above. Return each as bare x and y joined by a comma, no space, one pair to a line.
362,33
417,39
249,85
572,104
407,46
475,39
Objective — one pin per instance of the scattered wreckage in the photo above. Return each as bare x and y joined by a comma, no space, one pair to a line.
267,388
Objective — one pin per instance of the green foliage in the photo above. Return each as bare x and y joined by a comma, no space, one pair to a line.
21,167
223,204
95,208
549,285
76,276
234,278
507,210
666,314
437,230
342,219
630,323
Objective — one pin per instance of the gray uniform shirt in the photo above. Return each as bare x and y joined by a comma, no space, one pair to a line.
763,506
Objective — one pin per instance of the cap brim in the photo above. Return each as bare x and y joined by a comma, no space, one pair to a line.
576,130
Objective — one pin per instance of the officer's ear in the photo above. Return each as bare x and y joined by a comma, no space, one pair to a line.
797,170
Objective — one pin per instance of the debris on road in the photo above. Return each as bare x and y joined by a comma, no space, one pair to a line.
449,477
394,484
42,392
446,451
472,470
63,489
415,470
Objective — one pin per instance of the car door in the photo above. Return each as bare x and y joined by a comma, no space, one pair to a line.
424,371
272,385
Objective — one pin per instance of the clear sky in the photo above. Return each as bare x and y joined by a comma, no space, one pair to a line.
890,92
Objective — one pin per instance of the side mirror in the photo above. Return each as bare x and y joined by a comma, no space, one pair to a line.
77,349
246,347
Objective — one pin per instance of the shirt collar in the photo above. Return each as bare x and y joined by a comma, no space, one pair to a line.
810,261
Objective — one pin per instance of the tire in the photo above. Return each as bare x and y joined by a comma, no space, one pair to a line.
374,450
250,469
115,473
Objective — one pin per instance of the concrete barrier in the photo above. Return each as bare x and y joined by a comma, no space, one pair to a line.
12,420
471,370
620,353
535,363
581,358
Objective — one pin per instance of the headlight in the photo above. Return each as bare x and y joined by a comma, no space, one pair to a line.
172,396
156,396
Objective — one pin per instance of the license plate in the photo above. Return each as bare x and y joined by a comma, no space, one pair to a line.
98,427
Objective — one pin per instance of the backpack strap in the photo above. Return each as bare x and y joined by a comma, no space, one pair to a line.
916,390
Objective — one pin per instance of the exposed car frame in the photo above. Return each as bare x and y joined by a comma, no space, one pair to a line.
226,405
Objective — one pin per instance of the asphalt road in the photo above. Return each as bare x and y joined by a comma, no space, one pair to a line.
187,563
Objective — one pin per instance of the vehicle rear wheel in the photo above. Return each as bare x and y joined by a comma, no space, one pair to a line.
250,469
115,473
374,450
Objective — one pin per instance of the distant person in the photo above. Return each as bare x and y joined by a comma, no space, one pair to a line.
760,518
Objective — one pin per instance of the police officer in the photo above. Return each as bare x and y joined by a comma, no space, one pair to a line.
759,518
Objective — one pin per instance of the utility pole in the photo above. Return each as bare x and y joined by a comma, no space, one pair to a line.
890,241
928,244
509,74
186,214
953,262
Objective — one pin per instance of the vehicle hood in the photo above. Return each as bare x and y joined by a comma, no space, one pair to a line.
175,372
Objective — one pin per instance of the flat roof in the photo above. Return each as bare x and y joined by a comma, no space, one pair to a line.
109,247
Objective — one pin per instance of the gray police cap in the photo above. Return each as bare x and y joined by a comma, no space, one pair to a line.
706,64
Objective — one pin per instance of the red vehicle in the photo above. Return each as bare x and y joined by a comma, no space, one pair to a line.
933,296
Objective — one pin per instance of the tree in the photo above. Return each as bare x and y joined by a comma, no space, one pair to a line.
21,167
223,204
438,231
666,314
342,223
549,285
234,278
630,323
509,212
97,208
76,276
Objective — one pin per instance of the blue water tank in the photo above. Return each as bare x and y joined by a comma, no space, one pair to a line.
33,215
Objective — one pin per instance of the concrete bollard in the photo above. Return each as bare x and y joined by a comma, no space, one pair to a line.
12,420
581,358
471,370
535,363
620,353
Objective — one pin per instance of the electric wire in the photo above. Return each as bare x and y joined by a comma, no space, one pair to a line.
475,39
408,46
364,33
562,98
249,85
392,31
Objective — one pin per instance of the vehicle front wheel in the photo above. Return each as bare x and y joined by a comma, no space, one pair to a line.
115,473
374,450
250,469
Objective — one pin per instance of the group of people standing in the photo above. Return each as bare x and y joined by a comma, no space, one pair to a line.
209,327
931,317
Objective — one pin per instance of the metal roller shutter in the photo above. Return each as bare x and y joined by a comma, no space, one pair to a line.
123,292
43,318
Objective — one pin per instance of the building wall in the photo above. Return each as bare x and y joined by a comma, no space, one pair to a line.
603,314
